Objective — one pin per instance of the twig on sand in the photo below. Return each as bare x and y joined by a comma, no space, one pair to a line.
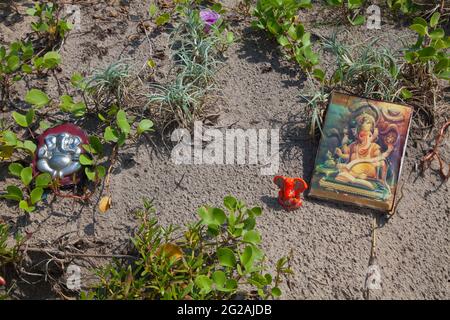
63,254
434,155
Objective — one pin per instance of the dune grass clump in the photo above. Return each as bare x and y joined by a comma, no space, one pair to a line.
378,73
197,43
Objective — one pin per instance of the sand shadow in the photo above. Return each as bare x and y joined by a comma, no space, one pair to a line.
9,13
256,47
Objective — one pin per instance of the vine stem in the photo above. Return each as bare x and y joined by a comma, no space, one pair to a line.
69,254
108,175
434,154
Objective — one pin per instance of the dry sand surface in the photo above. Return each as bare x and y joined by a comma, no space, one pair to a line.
330,242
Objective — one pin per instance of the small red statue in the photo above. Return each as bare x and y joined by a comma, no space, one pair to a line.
290,191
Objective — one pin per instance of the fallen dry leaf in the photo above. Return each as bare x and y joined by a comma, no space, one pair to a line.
105,204
171,251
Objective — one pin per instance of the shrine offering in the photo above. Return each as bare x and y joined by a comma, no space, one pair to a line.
58,153
361,152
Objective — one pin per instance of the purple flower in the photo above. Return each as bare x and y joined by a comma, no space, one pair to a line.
209,17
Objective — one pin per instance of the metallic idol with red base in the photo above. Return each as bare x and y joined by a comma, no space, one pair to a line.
59,151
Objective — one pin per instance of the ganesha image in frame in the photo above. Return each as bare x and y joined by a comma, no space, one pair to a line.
361,151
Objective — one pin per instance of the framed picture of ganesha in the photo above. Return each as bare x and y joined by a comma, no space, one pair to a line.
361,151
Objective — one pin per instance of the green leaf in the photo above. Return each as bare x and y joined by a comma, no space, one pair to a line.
144,126
226,257
440,44
406,94
13,193
24,120
9,138
29,117
355,4
274,27
296,31
13,63
249,223
2,53
283,41
90,174
85,160
122,122
268,277
421,21
203,283
230,37
219,278
68,105
306,39
43,180
152,10
65,102
29,146
151,63
212,216
24,206
426,53
37,98
110,135
52,59
121,140
444,75
256,211
247,258
162,19
310,55
44,125
420,29
38,62
77,81
435,19
26,175
101,171
359,20
442,65
15,169
230,203
252,236
276,292
410,57
27,69
218,216
437,34
20,119
31,11
96,144
231,285
319,74
36,195
334,2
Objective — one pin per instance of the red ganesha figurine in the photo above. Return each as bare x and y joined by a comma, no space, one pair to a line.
290,191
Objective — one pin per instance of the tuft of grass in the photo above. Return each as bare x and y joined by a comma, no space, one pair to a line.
316,106
181,100
109,84
366,71
196,57
376,72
